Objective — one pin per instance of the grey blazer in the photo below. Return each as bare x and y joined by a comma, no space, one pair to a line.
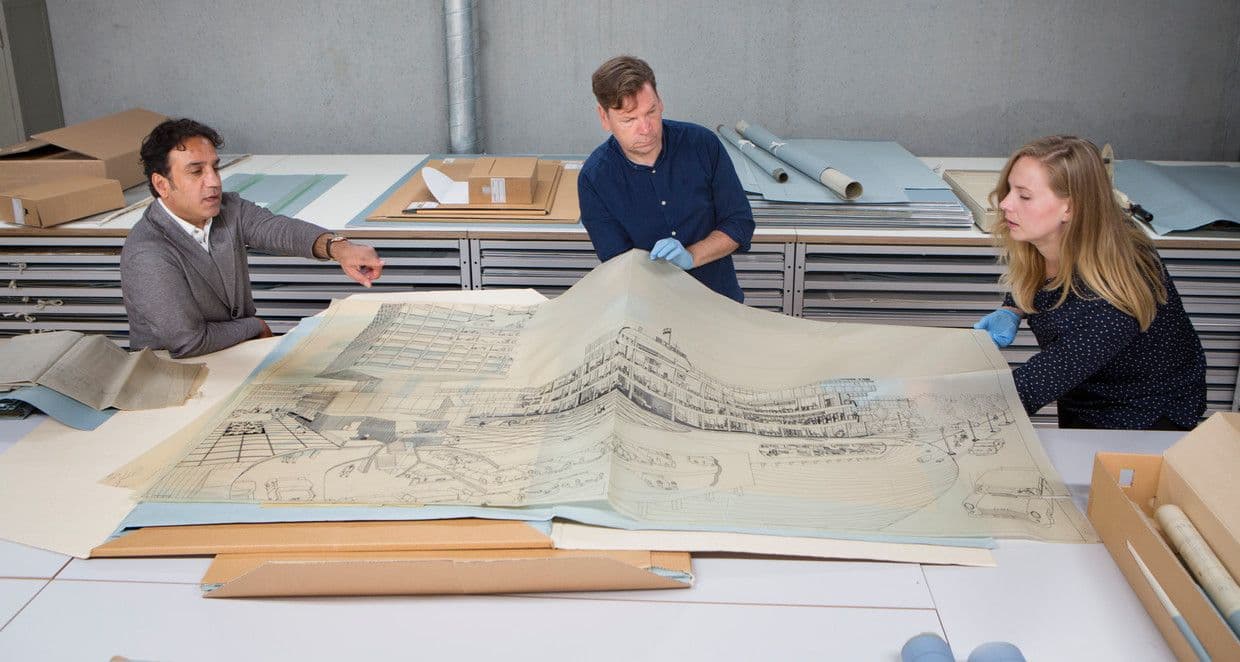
190,302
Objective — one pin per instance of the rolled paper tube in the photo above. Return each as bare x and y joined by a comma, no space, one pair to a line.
844,186
810,164
926,647
996,651
1201,560
769,164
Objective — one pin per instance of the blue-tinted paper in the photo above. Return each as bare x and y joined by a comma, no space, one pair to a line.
1181,197
60,407
280,194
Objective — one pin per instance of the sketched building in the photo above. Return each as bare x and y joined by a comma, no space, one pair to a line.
654,374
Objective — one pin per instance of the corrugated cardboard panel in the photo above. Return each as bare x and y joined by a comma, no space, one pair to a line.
301,537
459,572
103,147
107,136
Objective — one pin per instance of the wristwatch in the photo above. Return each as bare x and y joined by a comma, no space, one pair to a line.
331,240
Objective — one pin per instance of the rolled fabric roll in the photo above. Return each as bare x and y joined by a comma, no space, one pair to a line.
814,166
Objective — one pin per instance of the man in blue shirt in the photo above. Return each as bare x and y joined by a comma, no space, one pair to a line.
663,186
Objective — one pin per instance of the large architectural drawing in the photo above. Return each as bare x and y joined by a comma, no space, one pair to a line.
641,392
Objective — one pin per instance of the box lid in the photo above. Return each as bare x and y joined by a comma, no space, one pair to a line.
1208,458
57,187
104,137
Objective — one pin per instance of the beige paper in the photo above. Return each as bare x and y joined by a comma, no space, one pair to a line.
96,372
568,535
642,387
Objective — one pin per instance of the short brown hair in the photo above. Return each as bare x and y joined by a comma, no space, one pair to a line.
620,78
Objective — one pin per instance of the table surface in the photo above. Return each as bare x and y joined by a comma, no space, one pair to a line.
1055,601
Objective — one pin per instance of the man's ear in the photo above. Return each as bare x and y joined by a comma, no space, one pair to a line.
162,184
602,117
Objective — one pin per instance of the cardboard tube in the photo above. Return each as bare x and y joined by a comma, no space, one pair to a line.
844,186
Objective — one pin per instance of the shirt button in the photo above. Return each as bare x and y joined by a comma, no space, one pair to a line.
663,202
652,171
673,233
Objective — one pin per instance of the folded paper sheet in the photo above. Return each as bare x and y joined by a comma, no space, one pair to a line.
627,395
96,372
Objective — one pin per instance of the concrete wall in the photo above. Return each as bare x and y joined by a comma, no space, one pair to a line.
966,77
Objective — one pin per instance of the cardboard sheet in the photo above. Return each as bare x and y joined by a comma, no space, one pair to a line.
324,538
461,572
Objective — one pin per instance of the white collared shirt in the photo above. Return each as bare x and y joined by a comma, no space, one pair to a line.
202,236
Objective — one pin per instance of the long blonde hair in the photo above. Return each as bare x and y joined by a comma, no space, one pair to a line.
1100,247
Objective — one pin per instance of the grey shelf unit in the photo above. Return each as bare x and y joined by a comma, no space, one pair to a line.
73,283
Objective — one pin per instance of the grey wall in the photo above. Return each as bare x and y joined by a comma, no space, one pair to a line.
965,77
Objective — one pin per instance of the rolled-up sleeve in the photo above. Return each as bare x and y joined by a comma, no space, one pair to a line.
733,215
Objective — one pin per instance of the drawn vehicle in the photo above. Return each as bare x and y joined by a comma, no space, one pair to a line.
1012,494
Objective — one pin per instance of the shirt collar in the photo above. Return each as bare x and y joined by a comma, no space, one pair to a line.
202,236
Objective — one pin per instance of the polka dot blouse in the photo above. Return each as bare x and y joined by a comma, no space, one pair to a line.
1104,372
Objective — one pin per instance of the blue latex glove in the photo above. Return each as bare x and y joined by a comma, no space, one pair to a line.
673,251
1001,325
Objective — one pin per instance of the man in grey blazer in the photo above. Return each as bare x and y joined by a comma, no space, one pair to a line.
184,275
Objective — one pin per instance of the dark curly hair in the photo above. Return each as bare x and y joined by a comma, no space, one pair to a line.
167,137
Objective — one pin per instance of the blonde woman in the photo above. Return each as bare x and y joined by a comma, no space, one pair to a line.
1117,349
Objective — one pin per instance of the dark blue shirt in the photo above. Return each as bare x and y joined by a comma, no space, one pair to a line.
690,191
1107,373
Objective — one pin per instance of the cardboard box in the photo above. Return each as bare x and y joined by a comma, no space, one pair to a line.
60,200
106,147
974,187
503,181
1197,474
555,198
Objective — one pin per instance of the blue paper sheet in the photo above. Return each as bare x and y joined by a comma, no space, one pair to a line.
1181,197
60,407
280,194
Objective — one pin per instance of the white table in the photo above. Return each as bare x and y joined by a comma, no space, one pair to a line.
1056,602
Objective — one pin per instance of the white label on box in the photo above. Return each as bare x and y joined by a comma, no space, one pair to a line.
449,160
572,165
499,191
19,211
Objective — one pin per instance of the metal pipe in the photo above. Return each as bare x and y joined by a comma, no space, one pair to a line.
460,34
